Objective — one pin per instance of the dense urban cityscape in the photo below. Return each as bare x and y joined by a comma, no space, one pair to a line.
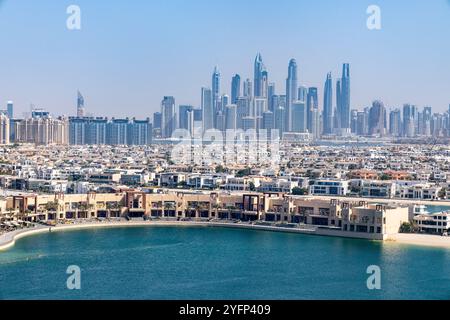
329,152
194,151
297,115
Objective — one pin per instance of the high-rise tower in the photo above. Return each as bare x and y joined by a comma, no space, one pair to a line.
260,77
10,109
328,106
80,105
291,92
235,88
345,98
207,109
168,117
312,112
377,119
216,89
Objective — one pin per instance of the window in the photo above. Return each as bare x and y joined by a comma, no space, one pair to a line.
361,229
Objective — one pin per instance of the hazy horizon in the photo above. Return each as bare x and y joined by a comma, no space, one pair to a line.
127,56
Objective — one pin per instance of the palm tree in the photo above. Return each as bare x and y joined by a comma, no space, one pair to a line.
112,206
230,211
168,206
52,206
216,208
196,207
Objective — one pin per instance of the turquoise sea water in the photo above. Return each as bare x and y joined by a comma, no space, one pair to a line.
217,263
437,209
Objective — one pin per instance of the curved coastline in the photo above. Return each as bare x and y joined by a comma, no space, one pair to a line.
8,240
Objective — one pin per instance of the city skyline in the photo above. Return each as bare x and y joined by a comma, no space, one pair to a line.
49,75
259,107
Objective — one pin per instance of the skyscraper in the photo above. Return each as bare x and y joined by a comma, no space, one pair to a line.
198,115
42,129
4,129
96,131
230,117
426,122
10,109
354,120
259,107
183,116
328,106
139,132
80,106
337,114
260,77
168,117
345,99
249,123
219,121
302,93
312,112
291,92
271,92
361,123
100,131
208,113
409,117
77,131
215,85
265,84
157,120
235,88
117,131
225,100
268,123
279,119
191,122
377,119
395,123
248,88
299,117
243,110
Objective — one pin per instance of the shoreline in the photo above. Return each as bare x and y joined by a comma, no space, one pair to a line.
8,240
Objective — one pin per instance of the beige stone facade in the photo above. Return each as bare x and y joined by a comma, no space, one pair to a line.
335,217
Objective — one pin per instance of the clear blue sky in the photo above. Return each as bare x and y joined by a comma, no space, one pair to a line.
129,54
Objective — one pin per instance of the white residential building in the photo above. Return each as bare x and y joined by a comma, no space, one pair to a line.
329,187
420,191
438,223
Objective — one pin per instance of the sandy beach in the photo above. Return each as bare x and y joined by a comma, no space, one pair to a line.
421,240
9,239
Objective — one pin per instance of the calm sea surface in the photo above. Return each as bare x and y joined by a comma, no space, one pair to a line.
217,263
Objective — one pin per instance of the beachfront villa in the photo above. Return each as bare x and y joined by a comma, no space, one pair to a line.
356,219
437,223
